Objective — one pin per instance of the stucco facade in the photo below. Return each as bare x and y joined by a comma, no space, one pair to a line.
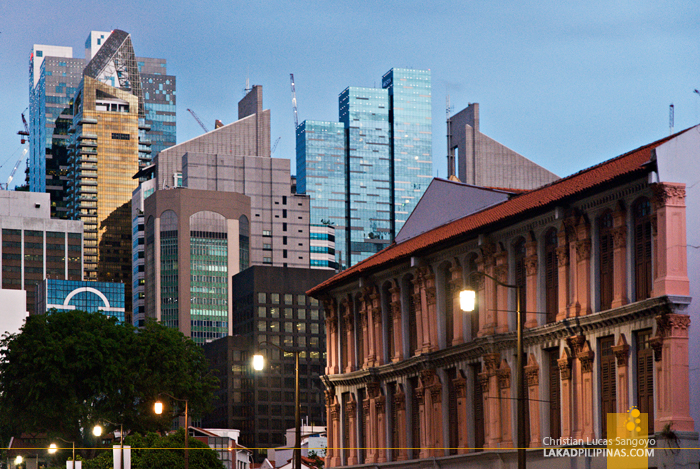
601,262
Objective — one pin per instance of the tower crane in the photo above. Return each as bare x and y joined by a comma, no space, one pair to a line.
6,186
199,121
24,133
274,147
294,103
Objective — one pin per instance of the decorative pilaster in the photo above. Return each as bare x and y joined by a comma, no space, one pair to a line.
562,251
396,317
583,268
564,363
418,305
585,357
426,282
380,412
457,314
487,318
460,388
370,432
532,381
377,336
351,409
531,265
502,293
333,457
673,401
670,263
622,351
505,402
619,233
333,366
350,334
400,403
492,401
576,344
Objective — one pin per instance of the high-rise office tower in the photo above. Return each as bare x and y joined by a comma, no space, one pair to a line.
54,77
368,182
107,147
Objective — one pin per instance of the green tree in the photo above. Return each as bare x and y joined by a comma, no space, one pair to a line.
66,371
155,452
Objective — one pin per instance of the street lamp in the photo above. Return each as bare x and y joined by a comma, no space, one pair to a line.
467,300
97,431
258,365
18,460
158,409
53,447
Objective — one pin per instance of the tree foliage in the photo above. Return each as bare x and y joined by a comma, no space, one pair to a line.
155,452
66,371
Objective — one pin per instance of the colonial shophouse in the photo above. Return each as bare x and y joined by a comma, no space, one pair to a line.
602,264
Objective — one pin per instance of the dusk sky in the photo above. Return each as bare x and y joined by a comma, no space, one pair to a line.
566,85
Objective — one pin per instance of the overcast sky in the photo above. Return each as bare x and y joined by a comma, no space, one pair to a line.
565,85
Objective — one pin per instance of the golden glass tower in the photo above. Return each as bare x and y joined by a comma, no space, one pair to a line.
107,148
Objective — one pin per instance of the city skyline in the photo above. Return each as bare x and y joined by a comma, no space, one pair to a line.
547,77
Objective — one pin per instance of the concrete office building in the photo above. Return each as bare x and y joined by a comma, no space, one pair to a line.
236,158
195,241
138,240
270,304
365,174
54,78
35,246
482,161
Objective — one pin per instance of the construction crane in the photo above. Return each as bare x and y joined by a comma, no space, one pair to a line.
199,121
24,133
274,147
6,186
294,103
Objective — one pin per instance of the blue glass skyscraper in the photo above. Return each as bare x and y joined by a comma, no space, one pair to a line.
387,162
411,137
321,175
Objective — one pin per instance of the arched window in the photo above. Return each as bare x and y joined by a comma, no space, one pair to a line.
520,273
642,248
551,272
605,241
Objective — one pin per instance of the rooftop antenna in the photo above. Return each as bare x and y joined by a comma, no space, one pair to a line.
294,103
450,151
670,118
247,82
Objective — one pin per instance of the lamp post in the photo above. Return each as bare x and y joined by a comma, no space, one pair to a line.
259,364
158,409
53,447
467,299
97,431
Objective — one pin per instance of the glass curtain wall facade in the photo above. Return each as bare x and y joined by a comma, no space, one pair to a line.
365,114
411,138
208,276
53,81
92,297
321,175
159,91
169,269
387,162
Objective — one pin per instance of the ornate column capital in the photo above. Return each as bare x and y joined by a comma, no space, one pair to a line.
484,382
673,325
576,343
583,250
668,194
657,343
619,237
460,387
400,401
564,363
562,255
621,351
492,361
504,378
532,375
531,265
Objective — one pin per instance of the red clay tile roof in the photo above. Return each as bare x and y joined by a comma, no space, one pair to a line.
585,180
